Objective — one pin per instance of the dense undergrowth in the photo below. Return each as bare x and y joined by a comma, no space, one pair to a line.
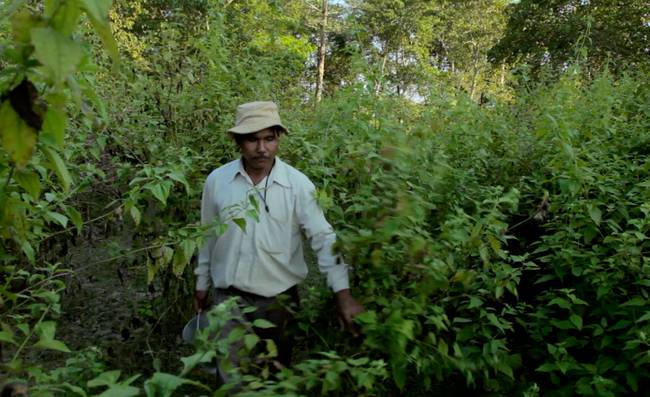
499,249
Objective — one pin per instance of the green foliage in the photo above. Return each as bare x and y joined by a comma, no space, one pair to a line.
548,32
500,248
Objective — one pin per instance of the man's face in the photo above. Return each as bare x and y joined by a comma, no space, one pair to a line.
259,148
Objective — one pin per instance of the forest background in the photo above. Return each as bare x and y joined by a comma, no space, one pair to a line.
485,164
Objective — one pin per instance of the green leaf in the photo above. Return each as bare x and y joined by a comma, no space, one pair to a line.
58,166
50,7
474,302
152,269
357,362
179,177
253,214
632,380
51,297
253,200
97,11
241,222
182,256
28,250
56,217
576,320
548,367
75,217
561,302
645,317
75,389
66,17
52,345
399,372
636,301
167,254
29,181
6,336
54,127
195,359
160,190
46,330
108,378
595,214
250,340
162,384
59,54
18,139
23,327
263,323
120,391
135,214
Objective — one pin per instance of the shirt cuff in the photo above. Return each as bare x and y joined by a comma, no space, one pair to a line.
338,279
202,278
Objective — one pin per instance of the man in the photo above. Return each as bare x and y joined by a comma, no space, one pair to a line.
264,262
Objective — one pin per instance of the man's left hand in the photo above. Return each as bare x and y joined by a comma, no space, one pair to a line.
348,308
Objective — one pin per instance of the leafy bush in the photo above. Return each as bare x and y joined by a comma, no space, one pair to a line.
499,248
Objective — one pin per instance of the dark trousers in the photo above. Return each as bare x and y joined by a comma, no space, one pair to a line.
277,310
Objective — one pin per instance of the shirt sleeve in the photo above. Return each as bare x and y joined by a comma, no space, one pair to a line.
322,237
208,213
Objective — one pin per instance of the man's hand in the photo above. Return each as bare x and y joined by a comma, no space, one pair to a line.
347,308
200,300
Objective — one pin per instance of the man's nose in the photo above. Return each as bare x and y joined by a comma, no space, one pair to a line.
261,146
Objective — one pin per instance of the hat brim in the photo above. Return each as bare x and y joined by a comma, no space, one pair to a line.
249,128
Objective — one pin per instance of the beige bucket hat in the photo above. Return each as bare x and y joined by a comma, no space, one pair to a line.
255,116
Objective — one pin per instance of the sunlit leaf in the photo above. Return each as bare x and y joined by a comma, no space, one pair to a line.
56,163
179,177
76,218
162,384
120,391
107,378
18,139
46,331
250,340
66,17
241,222
97,11
75,389
182,256
160,190
51,344
28,250
29,181
197,358
595,214
263,323
54,126
58,53
135,215
58,218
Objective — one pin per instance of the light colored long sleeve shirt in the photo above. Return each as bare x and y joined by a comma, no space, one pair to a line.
266,258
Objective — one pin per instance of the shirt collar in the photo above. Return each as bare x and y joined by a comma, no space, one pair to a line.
278,172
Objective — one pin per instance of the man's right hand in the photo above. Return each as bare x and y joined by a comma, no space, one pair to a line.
200,300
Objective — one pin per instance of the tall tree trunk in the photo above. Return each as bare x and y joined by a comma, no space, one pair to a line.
475,72
380,81
322,47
